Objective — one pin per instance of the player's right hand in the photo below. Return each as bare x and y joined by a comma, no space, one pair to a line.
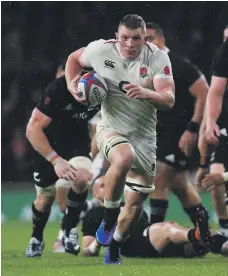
64,170
75,91
212,133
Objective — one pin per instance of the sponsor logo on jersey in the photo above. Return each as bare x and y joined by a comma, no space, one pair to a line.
68,107
167,70
109,64
82,115
143,72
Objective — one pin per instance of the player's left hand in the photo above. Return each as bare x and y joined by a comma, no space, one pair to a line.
135,91
212,180
200,174
187,142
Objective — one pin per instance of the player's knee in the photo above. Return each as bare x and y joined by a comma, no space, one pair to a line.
163,229
43,203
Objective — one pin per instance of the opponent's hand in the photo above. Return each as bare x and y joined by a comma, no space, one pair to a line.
64,170
135,91
212,180
83,175
200,174
75,91
187,142
212,133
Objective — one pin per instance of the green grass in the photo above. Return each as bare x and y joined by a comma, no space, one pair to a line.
15,238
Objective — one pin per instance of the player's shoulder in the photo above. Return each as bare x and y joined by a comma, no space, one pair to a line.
102,44
57,84
152,51
222,51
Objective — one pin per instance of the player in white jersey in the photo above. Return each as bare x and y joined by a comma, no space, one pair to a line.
139,80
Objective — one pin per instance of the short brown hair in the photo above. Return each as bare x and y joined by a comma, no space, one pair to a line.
133,21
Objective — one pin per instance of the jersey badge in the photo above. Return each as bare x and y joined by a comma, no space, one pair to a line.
143,72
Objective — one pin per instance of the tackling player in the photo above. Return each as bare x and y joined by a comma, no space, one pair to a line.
58,131
177,130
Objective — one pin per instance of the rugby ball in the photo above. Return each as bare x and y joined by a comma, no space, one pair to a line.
94,88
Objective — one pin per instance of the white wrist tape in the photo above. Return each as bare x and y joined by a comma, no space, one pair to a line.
51,155
94,247
225,176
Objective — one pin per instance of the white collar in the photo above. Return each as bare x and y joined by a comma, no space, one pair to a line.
166,49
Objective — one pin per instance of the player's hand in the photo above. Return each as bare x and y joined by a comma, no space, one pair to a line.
187,142
212,180
212,133
135,91
200,174
83,175
75,91
64,170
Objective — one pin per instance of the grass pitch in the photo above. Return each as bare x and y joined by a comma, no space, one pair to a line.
15,237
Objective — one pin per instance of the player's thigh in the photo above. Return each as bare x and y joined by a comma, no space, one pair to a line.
114,147
45,179
165,176
159,235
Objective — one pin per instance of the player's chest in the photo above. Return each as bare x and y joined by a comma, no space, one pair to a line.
115,71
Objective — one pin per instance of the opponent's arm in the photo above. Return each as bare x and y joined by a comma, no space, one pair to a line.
36,136
199,90
214,107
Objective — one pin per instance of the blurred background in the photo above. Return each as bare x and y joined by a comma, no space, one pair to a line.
37,36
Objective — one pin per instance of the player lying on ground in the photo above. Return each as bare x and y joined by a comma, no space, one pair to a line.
166,239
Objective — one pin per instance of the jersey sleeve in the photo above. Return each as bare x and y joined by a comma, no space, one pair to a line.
189,71
92,51
219,65
49,102
162,66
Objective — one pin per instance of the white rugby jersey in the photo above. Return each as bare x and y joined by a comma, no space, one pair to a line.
133,118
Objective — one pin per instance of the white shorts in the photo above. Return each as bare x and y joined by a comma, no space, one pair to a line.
145,151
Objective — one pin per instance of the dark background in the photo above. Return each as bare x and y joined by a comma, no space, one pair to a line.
36,36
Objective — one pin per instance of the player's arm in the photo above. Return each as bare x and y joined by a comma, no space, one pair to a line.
73,69
199,90
36,136
90,246
214,107
163,95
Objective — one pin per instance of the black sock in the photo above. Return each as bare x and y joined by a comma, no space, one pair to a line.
63,222
75,205
110,217
158,210
191,212
114,250
39,220
223,223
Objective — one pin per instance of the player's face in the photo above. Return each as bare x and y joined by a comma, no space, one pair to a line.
99,189
225,35
130,41
153,37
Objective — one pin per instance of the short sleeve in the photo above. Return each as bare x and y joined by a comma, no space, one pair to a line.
162,66
49,102
219,65
189,72
92,51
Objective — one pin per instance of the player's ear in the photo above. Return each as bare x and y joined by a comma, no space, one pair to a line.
117,37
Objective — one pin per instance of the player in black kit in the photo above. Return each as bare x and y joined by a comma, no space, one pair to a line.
58,131
166,239
177,131
214,131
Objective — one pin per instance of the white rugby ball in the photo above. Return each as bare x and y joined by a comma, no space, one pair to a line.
94,88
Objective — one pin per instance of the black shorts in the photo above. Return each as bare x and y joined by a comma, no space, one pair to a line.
169,153
43,171
220,154
139,246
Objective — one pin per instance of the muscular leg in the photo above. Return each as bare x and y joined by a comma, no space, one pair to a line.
159,197
218,200
186,193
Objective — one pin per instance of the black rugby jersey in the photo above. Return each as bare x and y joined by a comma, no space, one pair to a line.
185,74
